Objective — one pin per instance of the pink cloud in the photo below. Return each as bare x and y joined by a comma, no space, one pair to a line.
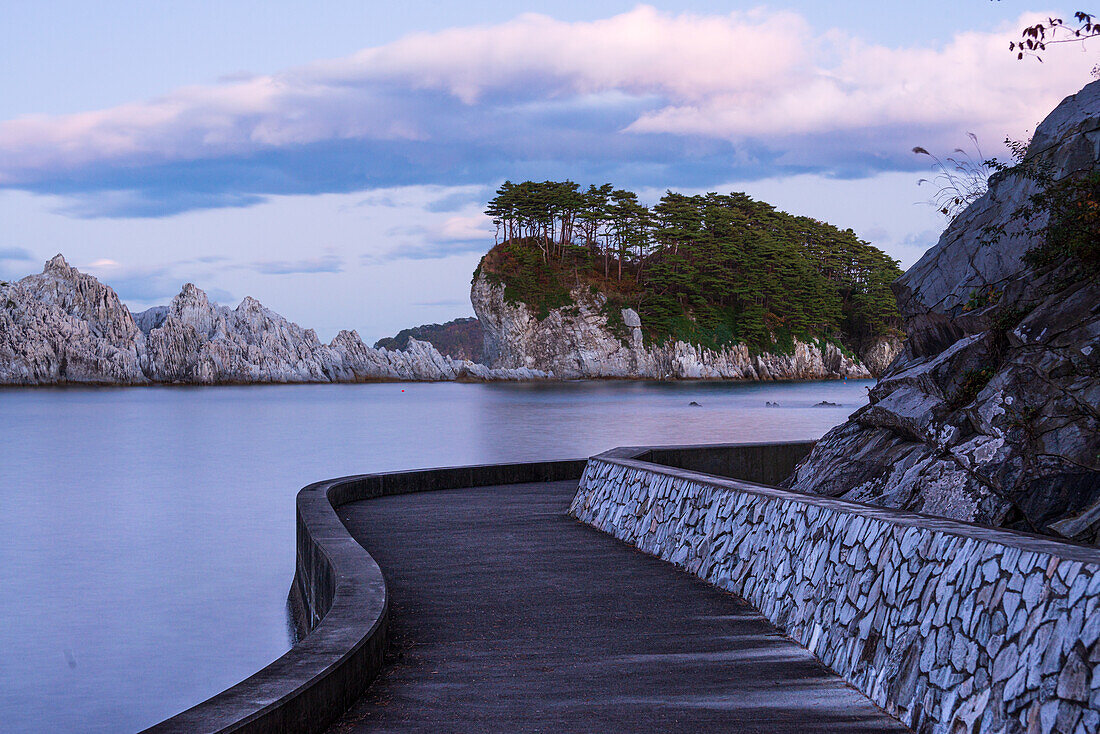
759,75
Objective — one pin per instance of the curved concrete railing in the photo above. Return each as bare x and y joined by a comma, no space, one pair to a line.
950,626
344,605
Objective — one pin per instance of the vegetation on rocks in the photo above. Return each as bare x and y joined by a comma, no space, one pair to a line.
458,339
711,269
1072,210
1065,212
973,382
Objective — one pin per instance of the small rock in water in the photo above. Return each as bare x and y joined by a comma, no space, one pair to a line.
695,404
770,404
827,404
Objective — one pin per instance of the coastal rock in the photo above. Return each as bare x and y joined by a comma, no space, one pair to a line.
151,318
63,326
879,353
990,412
204,343
576,342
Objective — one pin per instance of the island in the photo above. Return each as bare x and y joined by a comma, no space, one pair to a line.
585,285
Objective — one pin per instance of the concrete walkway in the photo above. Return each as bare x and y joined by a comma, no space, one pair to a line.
507,616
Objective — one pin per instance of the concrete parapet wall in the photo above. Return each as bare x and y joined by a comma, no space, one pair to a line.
949,626
766,463
343,606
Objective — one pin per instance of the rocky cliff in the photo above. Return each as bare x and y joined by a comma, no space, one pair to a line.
63,326
992,412
577,342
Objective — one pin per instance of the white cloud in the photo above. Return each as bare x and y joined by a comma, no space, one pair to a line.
972,83
762,75
138,284
476,227
644,51
330,263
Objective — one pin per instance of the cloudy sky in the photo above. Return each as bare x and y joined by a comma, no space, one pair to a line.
332,159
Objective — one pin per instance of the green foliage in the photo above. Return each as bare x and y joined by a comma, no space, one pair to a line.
528,279
1024,420
713,269
1072,206
974,381
981,297
1007,318
1066,212
612,310
570,310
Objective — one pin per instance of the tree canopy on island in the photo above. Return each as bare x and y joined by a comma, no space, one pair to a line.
711,269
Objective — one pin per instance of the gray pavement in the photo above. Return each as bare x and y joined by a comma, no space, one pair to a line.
509,616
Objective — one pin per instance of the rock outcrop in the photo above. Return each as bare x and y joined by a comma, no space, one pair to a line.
577,342
992,412
63,326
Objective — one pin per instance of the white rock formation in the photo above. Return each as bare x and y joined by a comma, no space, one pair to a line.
64,326
575,342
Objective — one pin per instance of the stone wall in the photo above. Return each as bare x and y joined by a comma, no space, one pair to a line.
949,626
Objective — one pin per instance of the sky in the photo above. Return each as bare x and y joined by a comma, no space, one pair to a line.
333,159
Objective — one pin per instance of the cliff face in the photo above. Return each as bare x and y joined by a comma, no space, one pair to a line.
64,326
991,412
576,342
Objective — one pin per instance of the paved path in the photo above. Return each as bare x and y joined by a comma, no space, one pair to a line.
510,616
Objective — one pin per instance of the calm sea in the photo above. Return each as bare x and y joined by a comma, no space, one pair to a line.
147,535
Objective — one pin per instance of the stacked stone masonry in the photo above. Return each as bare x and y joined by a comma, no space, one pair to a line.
949,626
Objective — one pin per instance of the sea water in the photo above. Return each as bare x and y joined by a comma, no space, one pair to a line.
147,534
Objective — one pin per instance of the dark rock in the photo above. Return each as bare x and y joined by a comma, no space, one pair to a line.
990,413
